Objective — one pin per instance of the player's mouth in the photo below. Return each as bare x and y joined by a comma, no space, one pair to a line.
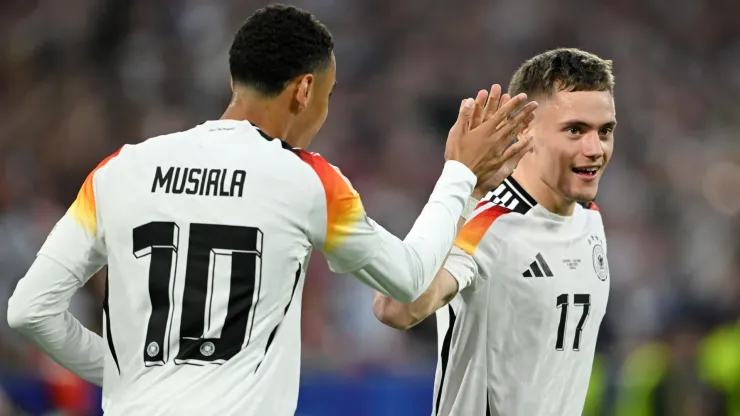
587,173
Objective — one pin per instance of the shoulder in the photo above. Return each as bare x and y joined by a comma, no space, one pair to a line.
592,216
472,234
335,184
317,162
152,148
590,208
105,164
505,206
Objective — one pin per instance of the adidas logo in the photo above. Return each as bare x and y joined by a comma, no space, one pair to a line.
538,267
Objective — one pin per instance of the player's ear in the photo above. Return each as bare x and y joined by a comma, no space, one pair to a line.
231,83
527,132
304,88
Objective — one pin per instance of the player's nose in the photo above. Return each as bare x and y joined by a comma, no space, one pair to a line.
592,145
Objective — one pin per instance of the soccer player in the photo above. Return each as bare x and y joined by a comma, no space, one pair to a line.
523,292
207,234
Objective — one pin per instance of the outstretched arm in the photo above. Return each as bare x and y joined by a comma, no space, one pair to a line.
405,315
440,292
460,268
475,246
404,269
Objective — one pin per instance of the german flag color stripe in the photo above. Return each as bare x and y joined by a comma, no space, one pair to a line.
474,230
83,209
343,204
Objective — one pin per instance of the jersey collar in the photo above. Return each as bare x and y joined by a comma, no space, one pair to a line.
512,196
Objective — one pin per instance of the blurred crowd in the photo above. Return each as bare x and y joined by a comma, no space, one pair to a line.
79,78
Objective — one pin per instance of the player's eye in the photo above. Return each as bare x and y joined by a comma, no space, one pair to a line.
606,131
574,130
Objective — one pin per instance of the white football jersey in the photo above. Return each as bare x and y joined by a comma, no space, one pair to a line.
519,338
207,234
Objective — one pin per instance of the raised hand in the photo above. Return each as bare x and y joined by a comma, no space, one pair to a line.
483,137
485,107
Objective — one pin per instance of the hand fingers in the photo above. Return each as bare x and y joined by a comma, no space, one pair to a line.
520,120
516,151
505,110
504,99
494,99
517,124
480,103
466,112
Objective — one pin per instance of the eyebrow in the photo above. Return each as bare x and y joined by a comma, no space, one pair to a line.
579,123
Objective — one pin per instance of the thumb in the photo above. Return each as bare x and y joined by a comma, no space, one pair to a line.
466,113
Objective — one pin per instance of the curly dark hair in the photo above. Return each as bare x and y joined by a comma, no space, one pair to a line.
276,44
564,69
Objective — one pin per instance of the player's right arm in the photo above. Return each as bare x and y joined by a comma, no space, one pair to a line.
353,243
461,269
404,269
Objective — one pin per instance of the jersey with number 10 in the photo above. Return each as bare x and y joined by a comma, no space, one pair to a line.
519,338
207,235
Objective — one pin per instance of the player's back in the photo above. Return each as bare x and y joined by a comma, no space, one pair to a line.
206,234
520,339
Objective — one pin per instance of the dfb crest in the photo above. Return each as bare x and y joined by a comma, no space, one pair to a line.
601,265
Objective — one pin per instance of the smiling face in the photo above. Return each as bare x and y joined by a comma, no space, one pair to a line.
573,142
573,128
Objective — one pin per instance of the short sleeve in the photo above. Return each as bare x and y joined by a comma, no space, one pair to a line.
339,227
76,241
476,246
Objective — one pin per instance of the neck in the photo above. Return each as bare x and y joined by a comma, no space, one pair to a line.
544,194
265,113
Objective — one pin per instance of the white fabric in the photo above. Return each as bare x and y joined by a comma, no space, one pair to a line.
501,348
206,270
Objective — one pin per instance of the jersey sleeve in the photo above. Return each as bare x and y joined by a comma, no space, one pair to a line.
38,310
340,227
353,243
476,246
76,241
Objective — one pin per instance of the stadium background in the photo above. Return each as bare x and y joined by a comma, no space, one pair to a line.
79,78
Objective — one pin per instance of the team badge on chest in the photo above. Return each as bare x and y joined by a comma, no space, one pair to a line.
598,255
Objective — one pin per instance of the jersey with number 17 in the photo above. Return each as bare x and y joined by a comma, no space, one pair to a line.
520,336
207,234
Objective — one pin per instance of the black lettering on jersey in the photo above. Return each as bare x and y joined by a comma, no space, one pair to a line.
237,182
178,185
193,179
197,181
162,180
213,182
203,181
222,192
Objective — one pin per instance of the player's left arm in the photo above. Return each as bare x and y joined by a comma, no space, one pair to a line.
443,289
461,270
72,253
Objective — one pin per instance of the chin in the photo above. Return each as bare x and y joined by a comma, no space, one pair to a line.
585,197
584,193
